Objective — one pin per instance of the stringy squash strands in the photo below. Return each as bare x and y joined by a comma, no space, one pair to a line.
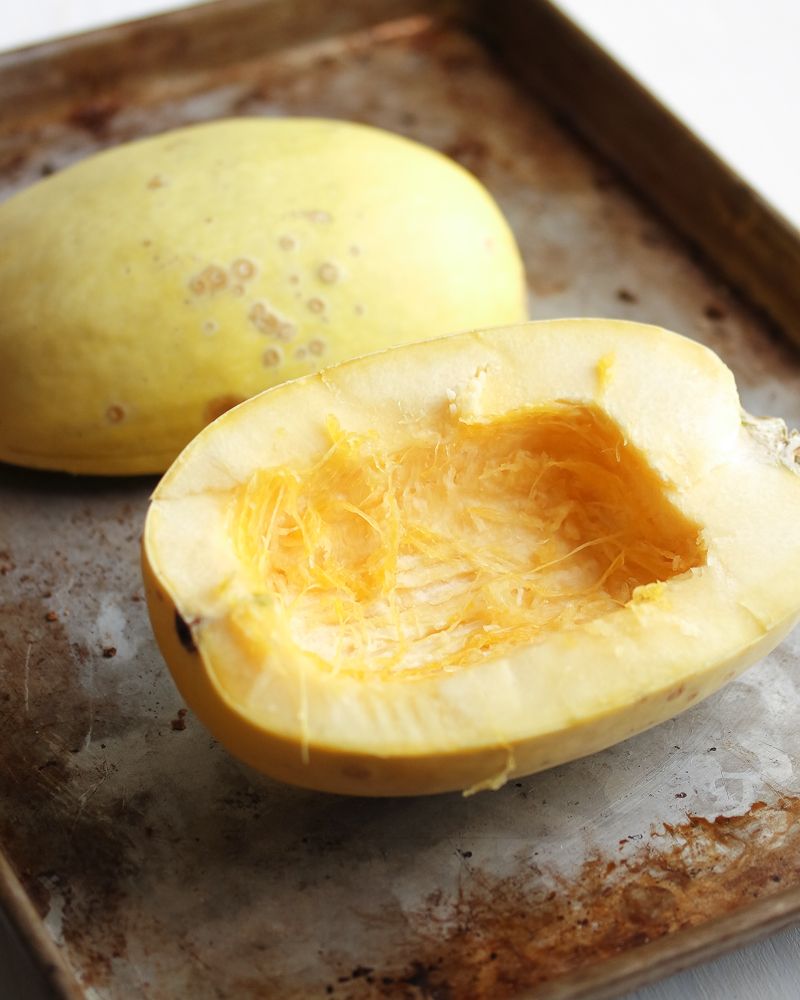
472,546
472,558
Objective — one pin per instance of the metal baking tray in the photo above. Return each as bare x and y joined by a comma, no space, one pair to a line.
139,859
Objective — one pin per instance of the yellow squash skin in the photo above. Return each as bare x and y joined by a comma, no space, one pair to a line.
732,483
153,286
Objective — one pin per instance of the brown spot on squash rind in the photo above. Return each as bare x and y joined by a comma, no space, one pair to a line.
269,321
272,357
358,772
213,279
288,242
219,405
243,269
676,693
330,272
184,634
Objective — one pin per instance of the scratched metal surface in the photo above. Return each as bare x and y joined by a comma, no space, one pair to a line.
166,869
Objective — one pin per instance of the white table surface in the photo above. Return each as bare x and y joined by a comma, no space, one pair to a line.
730,69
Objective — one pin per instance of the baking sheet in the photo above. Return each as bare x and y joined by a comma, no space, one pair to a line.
162,867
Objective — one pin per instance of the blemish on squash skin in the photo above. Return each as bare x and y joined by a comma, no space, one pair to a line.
330,272
184,634
676,693
244,269
212,279
358,772
115,414
288,242
219,405
270,322
315,215
272,357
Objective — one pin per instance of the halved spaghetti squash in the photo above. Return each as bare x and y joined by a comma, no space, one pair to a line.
459,561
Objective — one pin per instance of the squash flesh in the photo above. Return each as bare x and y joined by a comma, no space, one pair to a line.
462,546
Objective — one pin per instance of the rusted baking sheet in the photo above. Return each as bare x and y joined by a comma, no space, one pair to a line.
160,867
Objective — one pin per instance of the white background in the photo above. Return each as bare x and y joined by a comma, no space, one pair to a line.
731,70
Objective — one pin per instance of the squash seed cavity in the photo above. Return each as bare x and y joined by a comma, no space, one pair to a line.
443,554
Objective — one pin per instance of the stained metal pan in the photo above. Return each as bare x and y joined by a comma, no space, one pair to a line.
140,859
